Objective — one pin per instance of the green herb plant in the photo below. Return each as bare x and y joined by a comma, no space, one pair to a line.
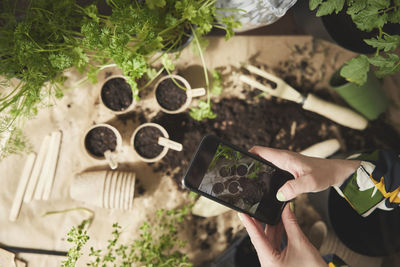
39,41
367,16
157,246
36,44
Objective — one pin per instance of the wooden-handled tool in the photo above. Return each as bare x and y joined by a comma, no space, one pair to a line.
334,112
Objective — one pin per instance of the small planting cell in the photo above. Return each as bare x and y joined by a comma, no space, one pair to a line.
225,171
99,140
169,95
218,188
116,94
241,170
146,142
233,187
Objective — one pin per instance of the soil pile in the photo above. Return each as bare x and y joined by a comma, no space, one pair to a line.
259,121
146,142
169,95
117,94
99,140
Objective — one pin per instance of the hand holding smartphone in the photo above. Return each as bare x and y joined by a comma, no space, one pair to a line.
237,179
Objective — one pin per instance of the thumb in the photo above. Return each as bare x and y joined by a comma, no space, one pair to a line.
292,189
292,228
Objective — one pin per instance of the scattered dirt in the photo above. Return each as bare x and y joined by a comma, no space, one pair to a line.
267,123
146,142
99,140
116,94
169,95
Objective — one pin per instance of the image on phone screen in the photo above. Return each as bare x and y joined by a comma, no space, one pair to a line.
237,179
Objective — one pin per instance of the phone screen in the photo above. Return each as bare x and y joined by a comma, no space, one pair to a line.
237,179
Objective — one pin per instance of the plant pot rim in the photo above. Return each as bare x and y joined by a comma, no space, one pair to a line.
163,152
188,93
129,108
115,131
182,46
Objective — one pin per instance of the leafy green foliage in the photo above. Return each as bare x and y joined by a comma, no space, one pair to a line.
326,7
202,111
222,152
217,83
157,246
41,41
367,16
385,43
78,237
356,70
386,66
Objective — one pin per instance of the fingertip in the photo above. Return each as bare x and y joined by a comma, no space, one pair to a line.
280,196
253,149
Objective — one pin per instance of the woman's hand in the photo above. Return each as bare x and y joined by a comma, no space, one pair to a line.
298,252
311,174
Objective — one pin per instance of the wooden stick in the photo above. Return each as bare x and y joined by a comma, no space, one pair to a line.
37,169
22,185
45,169
53,151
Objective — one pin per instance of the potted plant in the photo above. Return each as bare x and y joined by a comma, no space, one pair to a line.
370,18
174,93
103,142
116,95
150,142
37,43
47,38
368,98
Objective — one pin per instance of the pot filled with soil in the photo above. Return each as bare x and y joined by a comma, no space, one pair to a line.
368,99
174,94
103,142
241,170
116,95
150,142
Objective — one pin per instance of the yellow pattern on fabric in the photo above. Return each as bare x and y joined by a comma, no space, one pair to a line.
392,196
331,265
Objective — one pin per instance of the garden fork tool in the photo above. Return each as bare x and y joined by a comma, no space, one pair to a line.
334,112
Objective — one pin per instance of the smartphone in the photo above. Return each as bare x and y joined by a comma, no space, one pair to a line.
237,179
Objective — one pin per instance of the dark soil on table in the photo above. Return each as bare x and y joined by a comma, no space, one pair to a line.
273,123
146,142
99,140
169,95
116,94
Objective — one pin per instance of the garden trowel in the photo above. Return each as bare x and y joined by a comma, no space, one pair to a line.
334,112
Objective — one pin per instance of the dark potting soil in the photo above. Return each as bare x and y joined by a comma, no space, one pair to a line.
117,94
146,142
169,95
241,170
273,123
99,140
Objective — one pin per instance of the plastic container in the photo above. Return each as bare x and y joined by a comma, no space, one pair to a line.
257,13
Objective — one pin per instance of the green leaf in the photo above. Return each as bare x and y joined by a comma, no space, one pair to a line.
369,18
313,4
216,83
356,6
386,66
356,70
167,62
329,6
387,43
203,111
152,4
